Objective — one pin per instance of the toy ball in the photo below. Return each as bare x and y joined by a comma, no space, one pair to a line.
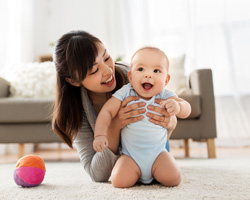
29,171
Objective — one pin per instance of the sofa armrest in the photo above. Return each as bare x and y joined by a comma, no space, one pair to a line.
201,83
4,88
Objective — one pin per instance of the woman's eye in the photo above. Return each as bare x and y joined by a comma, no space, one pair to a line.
140,69
157,71
94,71
107,58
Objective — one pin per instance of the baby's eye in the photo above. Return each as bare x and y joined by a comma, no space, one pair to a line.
157,71
140,69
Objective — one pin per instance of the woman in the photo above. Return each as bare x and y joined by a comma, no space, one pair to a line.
86,79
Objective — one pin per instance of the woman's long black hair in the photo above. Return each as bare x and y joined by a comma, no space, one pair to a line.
75,52
74,55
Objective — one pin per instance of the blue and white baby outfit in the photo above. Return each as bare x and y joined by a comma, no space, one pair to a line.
143,141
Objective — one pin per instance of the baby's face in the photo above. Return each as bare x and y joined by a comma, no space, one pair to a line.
148,74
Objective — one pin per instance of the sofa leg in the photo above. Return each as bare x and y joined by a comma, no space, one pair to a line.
211,148
186,147
21,150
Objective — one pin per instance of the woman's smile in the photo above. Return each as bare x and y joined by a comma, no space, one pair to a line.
109,82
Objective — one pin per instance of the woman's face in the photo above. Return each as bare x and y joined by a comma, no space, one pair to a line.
101,79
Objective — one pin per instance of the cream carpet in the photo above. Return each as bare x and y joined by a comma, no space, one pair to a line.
220,178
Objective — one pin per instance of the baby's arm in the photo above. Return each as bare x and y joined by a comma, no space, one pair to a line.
105,116
177,106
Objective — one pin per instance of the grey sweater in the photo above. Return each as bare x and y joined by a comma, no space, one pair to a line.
97,164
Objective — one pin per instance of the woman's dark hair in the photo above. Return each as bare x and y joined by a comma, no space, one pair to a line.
74,55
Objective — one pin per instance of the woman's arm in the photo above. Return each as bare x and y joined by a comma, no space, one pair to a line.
97,165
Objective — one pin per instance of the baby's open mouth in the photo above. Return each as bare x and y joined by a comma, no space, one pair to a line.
147,86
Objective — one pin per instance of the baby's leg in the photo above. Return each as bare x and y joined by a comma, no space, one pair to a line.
165,170
125,172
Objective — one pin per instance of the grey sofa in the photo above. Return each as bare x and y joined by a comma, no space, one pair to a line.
28,120
201,124
24,120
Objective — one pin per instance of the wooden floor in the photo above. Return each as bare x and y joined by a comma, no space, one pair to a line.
56,155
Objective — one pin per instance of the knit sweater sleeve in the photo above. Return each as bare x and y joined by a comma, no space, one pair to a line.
97,164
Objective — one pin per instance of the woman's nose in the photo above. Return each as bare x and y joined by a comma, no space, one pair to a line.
107,71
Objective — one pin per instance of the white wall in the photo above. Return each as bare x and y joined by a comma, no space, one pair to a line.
40,24
53,18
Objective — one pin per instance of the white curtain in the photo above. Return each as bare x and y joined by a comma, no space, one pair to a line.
16,35
212,34
16,42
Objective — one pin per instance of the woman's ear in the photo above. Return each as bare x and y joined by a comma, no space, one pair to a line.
167,79
72,82
129,75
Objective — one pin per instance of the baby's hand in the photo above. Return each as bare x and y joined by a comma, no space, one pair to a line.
100,143
172,106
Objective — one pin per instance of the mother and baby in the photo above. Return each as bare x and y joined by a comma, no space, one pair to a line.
118,117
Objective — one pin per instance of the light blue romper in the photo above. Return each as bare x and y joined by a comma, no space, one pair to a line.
143,141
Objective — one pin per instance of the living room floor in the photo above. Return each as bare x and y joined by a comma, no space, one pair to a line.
59,155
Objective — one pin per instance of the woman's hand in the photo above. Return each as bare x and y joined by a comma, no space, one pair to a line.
127,114
167,121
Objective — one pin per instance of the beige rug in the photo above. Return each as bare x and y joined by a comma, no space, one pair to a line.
220,179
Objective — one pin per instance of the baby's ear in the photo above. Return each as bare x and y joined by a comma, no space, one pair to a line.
69,80
167,79
129,75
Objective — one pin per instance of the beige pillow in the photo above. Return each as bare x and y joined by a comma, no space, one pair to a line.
178,80
32,80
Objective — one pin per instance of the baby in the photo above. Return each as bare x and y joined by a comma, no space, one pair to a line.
142,141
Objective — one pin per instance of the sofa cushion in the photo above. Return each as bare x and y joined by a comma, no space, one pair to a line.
4,87
25,110
195,102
